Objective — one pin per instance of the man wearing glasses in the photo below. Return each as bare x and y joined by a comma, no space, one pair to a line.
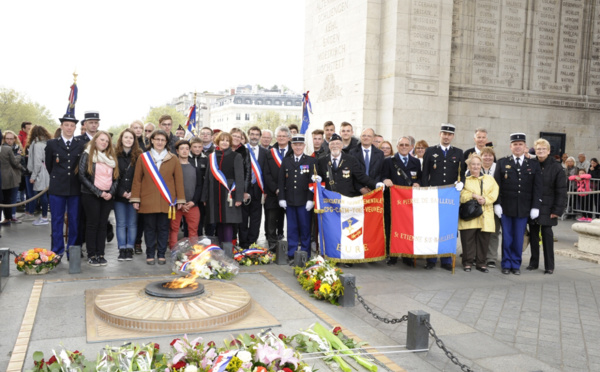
148,129
165,122
206,135
369,157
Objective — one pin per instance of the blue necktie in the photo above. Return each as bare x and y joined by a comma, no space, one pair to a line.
405,160
367,162
281,153
445,152
334,164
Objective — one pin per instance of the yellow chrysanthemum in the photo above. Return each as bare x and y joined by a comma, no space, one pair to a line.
21,263
325,288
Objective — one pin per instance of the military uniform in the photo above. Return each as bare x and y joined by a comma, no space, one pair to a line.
520,191
62,158
400,174
347,178
294,180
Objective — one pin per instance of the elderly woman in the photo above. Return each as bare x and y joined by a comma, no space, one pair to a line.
10,164
223,201
147,198
488,166
388,149
475,233
570,169
554,200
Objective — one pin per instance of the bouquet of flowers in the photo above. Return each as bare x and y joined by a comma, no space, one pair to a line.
203,259
36,261
255,255
321,278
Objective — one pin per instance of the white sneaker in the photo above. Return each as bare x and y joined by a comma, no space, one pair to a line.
40,221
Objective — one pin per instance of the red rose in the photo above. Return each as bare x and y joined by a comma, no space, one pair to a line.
337,330
286,369
41,364
179,364
156,347
282,337
51,360
211,344
174,341
317,285
252,337
235,342
76,352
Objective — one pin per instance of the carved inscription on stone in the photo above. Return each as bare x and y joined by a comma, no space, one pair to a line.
593,78
425,20
556,49
499,43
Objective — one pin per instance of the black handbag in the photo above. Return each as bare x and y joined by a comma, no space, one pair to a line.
471,209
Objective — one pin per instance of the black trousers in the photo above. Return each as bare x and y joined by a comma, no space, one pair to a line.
97,211
272,219
249,229
547,245
156,234
475,246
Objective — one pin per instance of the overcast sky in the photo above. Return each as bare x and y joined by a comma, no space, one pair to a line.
131,55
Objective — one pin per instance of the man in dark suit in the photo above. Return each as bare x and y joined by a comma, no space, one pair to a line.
369,157
62,158
252,211
274,214
295,197
341,172
520,181
443,164
402,169
481,141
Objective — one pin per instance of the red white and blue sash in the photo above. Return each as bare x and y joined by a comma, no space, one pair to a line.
276,157
159,182
186,266
256,169
218,175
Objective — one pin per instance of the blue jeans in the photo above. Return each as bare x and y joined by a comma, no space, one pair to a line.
43,202
29,193
126,218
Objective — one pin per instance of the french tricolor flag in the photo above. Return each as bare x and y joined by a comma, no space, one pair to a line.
222,361
351,229
424,221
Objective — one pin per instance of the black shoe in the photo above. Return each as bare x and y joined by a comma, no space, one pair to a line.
467,269
505,271
429,266
491,264
162,261
446,267
483,269
409,261
122,254
138,249
102,261
549,272
531,268
110,234
129,254
516,272
346,265
92,261
392,261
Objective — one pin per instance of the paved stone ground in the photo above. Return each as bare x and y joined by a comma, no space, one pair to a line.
492,322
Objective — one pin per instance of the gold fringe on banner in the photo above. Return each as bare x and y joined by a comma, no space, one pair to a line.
341,260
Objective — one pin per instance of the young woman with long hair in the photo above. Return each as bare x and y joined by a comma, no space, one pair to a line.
128,152
99,174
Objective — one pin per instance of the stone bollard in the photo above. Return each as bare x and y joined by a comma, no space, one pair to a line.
347,299
5,259
281,256
589,236
417,335
227,248
74,259
300,258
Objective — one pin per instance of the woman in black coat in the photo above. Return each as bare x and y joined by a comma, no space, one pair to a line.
595,173
554,200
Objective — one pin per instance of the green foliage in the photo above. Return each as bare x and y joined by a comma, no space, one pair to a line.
116,130
156,112
270,120
16,108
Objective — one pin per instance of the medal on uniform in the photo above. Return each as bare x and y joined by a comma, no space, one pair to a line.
434,165
56,158
505,175
346,173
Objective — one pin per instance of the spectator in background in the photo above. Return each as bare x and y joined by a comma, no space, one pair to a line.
564,158
318,141
10,165
420,148
329,129
582,163
138,129
265,139
180,132
595,173
206,135
39,179
349,142
293,129
148,129
378,141
388,150
582,185
165,122
571,169
25,128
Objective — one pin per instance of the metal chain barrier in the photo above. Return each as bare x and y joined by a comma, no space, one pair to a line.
404,318
370,311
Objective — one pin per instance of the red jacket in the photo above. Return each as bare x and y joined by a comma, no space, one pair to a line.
23,138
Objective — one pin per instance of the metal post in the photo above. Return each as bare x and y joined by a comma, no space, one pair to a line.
228,249
417,335
281,256
349,284
5,262
74,259
300,258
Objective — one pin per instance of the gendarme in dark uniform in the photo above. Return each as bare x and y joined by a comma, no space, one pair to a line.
400,174
520,197
62,158
294,179
443,164
344,174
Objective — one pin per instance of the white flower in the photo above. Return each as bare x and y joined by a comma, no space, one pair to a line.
307,369
244,356
191,368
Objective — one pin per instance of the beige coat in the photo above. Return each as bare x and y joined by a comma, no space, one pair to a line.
10,166
145,192
485,222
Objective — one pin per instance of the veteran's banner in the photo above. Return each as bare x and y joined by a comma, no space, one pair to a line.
351,229
424,221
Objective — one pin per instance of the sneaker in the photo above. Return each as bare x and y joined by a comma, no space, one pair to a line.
92,261
5,222
138,249
40,221
27,217
129,254
15,220
491,264
588,219
102,261
582,219
122,254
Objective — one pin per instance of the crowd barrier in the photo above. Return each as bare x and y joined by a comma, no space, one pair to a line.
584,203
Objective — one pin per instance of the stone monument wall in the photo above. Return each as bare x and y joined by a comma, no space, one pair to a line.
405,66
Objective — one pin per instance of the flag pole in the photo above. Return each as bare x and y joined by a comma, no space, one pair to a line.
196,109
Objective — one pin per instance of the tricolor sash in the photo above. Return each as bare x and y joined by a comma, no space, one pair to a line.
219,176
159,182
256,169
276,157
186,266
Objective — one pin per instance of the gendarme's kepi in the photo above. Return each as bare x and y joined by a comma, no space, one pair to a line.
298,138
517,137
91,115
448,128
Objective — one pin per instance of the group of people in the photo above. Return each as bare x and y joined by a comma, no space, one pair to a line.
220,183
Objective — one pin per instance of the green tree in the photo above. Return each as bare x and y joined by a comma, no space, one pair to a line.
271,120
156,112
15,108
